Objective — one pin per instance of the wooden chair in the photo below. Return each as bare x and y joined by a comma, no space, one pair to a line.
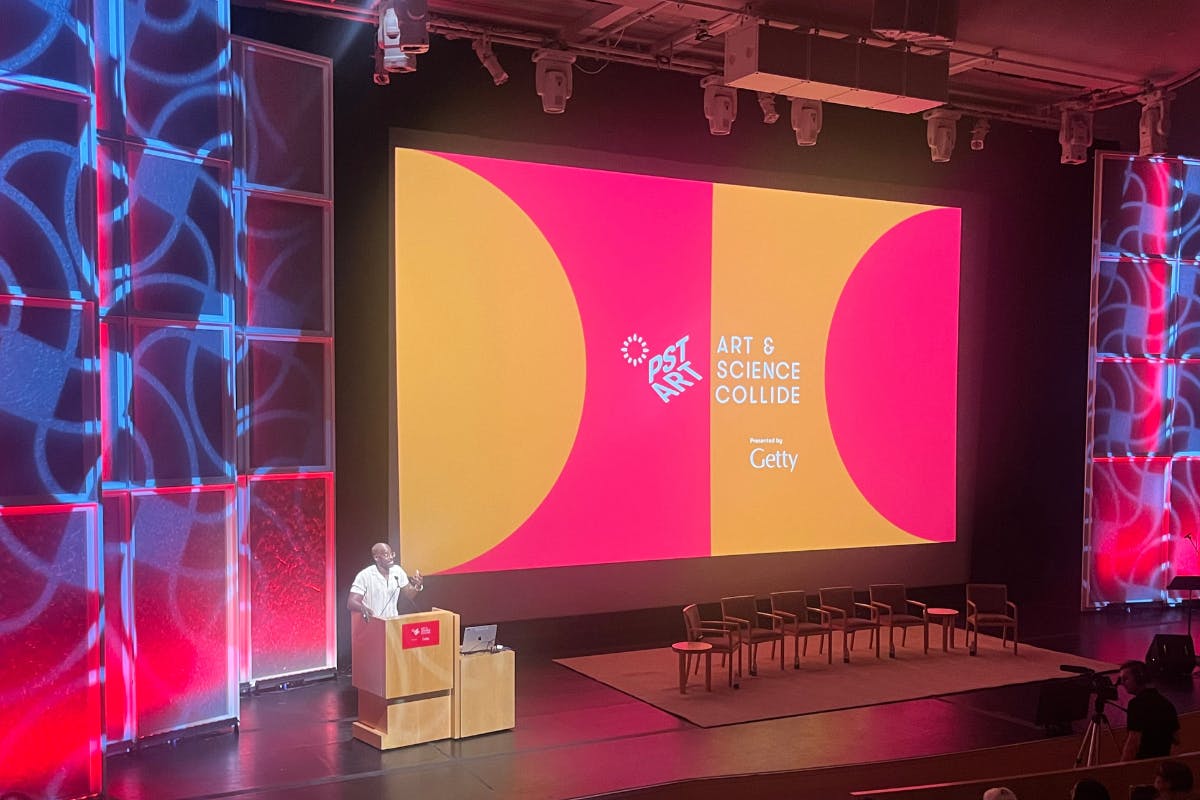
743,609
839,602
988,606
895,611
725,638
797,617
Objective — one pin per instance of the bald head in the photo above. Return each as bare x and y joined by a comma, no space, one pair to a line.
383,555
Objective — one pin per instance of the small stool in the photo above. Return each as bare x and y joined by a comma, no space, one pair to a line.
946,617
686,650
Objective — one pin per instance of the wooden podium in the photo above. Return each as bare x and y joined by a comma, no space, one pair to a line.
415,686
404,672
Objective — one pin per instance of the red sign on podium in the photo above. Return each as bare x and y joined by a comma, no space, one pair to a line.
420,634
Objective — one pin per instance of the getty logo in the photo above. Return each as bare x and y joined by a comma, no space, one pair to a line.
670,373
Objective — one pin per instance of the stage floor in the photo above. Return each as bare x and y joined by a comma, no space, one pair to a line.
576,737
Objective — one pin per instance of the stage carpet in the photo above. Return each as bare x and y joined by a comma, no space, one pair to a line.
652,676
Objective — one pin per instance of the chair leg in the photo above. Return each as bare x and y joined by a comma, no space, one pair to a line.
796,650
845,647
830,644
904,636
891,641
926,637
878,636
1014,638
782,647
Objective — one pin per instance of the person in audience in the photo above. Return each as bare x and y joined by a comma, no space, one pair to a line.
1152,722
1173,780
1090,789
1143,791
999,793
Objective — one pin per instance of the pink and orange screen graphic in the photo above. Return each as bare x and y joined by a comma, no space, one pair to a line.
596,367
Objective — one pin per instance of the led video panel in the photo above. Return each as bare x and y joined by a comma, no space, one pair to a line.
597,367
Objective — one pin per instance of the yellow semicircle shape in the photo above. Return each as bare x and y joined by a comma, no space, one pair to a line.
490,362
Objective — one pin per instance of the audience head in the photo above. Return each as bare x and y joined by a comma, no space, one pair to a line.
1134,676
1143,792
1173,776
999,793
1090,789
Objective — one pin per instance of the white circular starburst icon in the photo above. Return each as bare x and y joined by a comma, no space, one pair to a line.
634,349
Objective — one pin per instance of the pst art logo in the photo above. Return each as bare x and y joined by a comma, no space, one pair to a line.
670,373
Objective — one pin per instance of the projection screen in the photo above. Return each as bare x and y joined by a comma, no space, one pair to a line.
595,367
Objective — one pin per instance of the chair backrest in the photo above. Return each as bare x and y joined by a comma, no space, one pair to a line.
691,621
892,595
793,602
989,598
743,606
839,597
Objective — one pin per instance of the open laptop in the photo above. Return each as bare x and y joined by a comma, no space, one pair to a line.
478,638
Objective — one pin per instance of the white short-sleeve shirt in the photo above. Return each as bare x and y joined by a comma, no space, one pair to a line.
379,593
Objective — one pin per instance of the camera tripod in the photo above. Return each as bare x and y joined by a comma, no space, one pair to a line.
1089,748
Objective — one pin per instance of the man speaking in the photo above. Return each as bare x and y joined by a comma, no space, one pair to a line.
384,589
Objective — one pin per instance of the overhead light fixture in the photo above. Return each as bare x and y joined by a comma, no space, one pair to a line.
766,101
1075,135
979,132
941,131
487,58
403,28
1154,124
553,79
720,105
390,55
806,120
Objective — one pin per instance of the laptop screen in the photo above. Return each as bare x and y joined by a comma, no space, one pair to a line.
478,638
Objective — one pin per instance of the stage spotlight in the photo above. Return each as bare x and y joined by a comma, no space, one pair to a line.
389,52
1075,135
941,131
720,105
487,58
806,120
1154,123
766,101
553,79
979,132
403,28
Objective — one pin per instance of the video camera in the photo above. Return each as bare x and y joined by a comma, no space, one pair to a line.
1100,685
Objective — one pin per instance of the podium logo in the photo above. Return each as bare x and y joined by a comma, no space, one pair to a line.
420,634
669,373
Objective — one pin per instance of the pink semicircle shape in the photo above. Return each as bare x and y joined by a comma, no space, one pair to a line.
891,374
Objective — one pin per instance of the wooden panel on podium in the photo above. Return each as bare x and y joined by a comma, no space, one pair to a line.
404,671
484,694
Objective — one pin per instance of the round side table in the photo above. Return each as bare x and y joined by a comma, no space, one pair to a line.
946,616
686,650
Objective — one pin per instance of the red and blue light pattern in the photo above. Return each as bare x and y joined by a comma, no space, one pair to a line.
144,359
1144,392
